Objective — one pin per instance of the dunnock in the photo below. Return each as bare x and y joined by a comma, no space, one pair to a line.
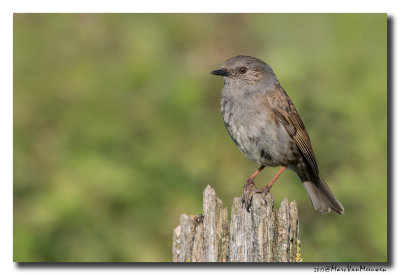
263,122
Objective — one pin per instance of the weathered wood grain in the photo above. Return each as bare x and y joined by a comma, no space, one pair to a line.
264,234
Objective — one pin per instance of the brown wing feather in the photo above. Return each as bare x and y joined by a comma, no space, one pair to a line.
290,119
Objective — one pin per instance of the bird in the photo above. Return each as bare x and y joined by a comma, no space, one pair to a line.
263,122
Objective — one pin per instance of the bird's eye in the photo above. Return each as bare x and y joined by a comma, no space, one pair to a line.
243,70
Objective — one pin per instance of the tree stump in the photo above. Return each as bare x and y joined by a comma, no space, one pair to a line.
263,234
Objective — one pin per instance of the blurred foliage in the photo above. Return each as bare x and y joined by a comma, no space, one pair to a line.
117,128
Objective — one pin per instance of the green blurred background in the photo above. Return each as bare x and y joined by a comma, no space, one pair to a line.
117,128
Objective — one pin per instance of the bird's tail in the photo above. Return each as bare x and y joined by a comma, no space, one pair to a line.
322,198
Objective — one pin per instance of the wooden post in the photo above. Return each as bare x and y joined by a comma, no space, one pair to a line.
264,234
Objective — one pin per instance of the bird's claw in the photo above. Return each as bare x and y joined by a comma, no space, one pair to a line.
264,191
248,192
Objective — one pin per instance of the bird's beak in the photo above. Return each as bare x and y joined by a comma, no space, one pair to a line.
221,72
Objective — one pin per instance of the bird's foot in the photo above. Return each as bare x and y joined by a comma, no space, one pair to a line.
264,191
249,190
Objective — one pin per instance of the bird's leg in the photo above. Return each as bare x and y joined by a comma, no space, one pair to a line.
250,188
266,189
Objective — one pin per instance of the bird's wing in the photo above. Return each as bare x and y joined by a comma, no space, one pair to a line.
287,115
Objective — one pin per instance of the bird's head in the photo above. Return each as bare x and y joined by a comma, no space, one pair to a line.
247,70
